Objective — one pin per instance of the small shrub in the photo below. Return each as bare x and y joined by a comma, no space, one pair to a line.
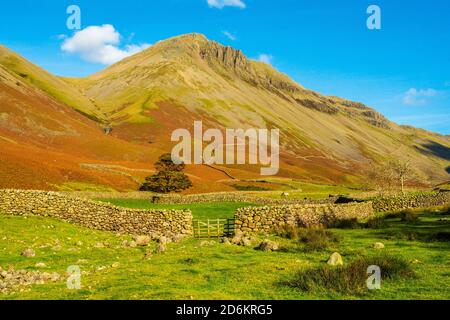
350,279
316,239
392,215
288,232
443,236
347,224
191,261
376,223
409,216
249,188
409,236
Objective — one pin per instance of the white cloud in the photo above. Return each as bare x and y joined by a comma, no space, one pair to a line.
100,44
229,35
220,4
266,58
414,97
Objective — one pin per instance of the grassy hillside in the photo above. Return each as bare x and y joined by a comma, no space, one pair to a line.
59,89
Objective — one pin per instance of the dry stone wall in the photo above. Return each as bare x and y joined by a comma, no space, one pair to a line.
96,215
234,197
424,200
258,219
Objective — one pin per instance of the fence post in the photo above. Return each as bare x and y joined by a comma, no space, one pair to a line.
209,235
218,228
198,229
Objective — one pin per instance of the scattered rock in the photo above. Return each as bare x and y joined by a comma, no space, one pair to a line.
99,245
148,255
226,241
55,277
40,265
246,242
142,241
17,279
335,260
178,238
29,253
115,265
268,246
160,248
129,244
163,240
378,245
207,243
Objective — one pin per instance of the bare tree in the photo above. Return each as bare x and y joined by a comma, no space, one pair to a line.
403,171
381,178
387,177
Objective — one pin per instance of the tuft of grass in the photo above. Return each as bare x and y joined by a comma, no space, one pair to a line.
347,224
191,261
409,216
376,223
317,239
350,279
288,232
443,236
312,239
404,216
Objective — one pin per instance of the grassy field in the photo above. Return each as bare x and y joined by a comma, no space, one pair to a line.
191,270
216,210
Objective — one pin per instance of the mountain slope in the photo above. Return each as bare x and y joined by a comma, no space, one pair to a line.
23,70
46,144
188,78
52,129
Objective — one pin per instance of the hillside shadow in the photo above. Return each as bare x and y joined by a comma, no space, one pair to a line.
435,149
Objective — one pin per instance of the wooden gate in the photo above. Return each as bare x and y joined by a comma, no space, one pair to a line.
213,228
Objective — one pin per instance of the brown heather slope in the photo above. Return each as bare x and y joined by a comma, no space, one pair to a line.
44,143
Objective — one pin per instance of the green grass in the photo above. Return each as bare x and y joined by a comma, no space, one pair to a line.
83,186
189,271
301,190
214,210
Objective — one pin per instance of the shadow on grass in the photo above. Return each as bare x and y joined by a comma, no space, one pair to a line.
435,149
429,227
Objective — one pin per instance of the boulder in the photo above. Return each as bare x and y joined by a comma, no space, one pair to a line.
378,245
163,240
246,242
336,260
142,241
29,253
268,246
226,241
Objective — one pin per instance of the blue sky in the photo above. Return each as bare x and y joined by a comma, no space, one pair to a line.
402,70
